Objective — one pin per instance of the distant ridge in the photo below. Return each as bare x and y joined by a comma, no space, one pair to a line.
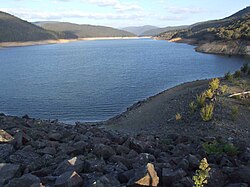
84,31
138,30
154,32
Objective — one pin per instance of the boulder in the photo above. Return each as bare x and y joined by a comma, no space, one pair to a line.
237,185
169,176
106,181
146,176
241,175
9,171
94,165
5,150
5,137
26,180
21,138
69,179
74,164
55,136
103,151
137,145
24,157
47,150
194,162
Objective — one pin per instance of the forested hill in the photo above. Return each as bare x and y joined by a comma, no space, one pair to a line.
84,31
13,29
234,27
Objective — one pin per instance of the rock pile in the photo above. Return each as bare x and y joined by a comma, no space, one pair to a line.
35,153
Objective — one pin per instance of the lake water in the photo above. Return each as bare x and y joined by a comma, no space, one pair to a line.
96,80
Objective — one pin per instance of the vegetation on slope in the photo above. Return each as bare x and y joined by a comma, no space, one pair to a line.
13,29
84,31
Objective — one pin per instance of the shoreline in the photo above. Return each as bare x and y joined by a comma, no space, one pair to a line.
61,41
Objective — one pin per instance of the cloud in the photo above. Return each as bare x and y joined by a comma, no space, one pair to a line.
43,15
172,18
184,10
115,4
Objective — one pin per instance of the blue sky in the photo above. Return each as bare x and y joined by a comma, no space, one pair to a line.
121,13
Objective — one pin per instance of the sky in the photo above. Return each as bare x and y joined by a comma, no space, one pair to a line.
123,13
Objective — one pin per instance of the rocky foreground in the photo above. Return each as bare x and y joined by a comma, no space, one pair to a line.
47,153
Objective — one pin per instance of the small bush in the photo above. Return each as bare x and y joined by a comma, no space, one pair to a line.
229,76
201,99
178,117
193,106
209,94
202,174
223,89
234,112
220,148
207,112
237,74
244,68
243,85
214,84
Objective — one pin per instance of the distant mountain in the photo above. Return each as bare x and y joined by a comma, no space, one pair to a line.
140,29
154,32
13,29
84,31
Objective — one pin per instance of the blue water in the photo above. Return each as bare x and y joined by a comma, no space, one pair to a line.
96,80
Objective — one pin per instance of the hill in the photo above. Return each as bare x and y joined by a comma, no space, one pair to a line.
84,31
13,29
233,30
140,29
154,32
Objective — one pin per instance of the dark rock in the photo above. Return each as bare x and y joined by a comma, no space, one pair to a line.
5,150
241,175
106,181
126,176
9,171
127,162
55,136
21,139
193,161
184,164
169,176
94,165
216,178
74,164
24,157
47,150
121,149
132,154
103,151
145,176
137,145
237,185
26,116
24,181
81,146
225,162
69,179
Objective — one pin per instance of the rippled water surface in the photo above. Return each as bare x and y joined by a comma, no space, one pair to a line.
96,80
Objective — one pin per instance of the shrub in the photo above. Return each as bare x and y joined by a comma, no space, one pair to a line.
229,76
220,148
234,112
209,94
202,174
214,84
201,99
237,74
244,68
207,112
243,85
178,117
223,89
193,107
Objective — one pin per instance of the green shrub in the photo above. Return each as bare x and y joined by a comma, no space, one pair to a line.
237,74
220,148
243,85
234,112
229,76
207,112
223,89
214,84
202,174
244,68
201,99
193,106
178,116
209,94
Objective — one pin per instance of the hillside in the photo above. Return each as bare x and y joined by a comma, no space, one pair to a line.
140,29
84,31
13,29
233,30
154,32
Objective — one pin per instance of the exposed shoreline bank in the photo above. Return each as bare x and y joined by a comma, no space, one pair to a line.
60,41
